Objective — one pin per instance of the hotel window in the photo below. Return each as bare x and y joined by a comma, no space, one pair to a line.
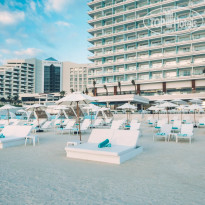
145,44
143,66
184,49
131,37
142,35
199,59
199,71
108,50
199,35
131,67
118,20
120,39
108,22
108,31
143,76
186,72
130,27
107,13
169,40
119,29
156,64
143,55
199,48
157,75
130,17
131,47
157,53
119,69
119,49
171,74
131,57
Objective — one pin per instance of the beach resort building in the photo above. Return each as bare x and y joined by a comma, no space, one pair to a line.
16,76
153,48
75,77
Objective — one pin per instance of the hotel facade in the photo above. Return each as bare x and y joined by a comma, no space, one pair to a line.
153,48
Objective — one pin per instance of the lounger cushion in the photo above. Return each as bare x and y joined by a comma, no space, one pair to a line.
92,148
99,135
125,137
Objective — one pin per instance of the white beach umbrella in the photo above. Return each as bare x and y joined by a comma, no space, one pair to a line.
7,107
34,108
168,105
92,108
179,102
196,101
77,98
60,108
160,101
156,109
127,107
194,107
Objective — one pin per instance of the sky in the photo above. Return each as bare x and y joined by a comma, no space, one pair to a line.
44,28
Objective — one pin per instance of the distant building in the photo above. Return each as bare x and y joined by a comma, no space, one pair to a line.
17,76
132,56
75,77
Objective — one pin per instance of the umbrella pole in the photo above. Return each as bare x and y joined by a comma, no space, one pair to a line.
78,119
168,115
158,115
91,118
8,116
194,118
181,115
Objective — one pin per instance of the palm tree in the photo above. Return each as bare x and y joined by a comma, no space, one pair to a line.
16,99
3,100
62,93
133,83
71,90
105,87
119,85
94,89
9,99
86,91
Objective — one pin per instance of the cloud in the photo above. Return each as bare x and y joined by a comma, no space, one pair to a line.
12,41
10,18
57,5
5,51
33,5
29,52
63,23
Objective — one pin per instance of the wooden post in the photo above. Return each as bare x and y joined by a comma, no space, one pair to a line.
78,119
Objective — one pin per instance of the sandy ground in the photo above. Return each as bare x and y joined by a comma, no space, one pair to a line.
164,174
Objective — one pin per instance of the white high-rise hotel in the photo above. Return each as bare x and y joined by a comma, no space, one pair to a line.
152,47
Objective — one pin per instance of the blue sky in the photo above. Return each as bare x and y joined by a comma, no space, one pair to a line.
44,28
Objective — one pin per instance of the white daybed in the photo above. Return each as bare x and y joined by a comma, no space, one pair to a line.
14,135
123,146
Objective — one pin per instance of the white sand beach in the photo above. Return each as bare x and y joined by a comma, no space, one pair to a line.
165,173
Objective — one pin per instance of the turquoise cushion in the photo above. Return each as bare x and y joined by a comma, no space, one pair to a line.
103,144
175,128
201,124
157,127
2,136
108,145
182,135
161,134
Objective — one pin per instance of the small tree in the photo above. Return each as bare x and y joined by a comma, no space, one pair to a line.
133,83
119,85
71,90
62,93
105,87
16,99
86,91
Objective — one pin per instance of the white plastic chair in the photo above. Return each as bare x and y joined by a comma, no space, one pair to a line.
186,132
165,131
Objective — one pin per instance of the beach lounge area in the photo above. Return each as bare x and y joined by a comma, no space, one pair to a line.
165,173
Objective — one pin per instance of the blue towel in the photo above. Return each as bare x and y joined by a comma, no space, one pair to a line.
161,134
103,144
108,145
2,136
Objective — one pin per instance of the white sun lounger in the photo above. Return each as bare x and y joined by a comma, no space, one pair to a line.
165,131
14,135
186,132
123,146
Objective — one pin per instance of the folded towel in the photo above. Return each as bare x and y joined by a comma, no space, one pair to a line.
108,145
161,134
2,136
103,144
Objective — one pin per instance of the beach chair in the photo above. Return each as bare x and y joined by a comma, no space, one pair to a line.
47,126
84,126
123,146
164,132
16,135
117,124
201,122
135,126
160,124
186,132
98,122
176,126
68,127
